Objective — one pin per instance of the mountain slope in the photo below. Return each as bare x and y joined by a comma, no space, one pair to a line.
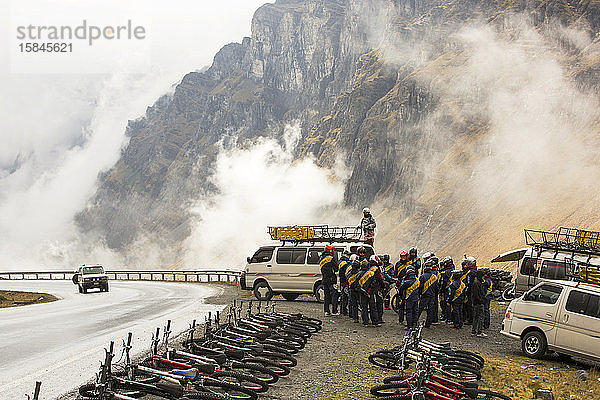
460,122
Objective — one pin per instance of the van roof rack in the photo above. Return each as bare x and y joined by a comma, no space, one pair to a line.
587,273
571,240
315,233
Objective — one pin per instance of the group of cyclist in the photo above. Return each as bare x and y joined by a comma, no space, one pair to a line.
423,284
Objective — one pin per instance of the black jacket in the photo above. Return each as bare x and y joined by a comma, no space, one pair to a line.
329,269
477,292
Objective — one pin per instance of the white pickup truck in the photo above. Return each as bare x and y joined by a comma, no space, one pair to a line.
90,277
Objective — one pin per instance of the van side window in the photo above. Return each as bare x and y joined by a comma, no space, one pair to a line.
291,256
263,254
583,303
545,294
528,266
553,270
314,255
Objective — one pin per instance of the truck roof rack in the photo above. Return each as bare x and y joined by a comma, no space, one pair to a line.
315,233
571,240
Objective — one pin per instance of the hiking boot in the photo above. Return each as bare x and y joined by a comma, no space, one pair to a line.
482,335
327,313
356,321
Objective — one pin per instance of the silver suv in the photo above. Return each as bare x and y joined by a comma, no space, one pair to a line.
90,277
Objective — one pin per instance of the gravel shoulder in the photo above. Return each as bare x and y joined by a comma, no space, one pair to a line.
334,363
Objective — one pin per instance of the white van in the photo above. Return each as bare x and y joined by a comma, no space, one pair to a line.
553,256
291,267
557,316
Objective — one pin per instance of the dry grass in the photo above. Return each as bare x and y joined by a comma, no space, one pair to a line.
9,298
520,377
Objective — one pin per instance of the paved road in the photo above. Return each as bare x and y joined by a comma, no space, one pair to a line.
61,343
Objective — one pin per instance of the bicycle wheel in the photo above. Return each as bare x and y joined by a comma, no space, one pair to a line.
395,378
286,346
277,348
389,389
281,358
243,379
468,355
89,391
203,396
460,372
232,390
276,367
256,370
384,360
490,395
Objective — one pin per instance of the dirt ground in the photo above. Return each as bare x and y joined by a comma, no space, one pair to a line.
334,364
10,298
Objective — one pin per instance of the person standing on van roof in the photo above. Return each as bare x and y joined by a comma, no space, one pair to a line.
368,225
329,269
456,292
352,275
447,267
478,299
344,266
489,288
414,260
409,288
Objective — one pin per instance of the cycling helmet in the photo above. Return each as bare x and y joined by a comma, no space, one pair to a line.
427,255
447,262
364,264
469,262
366,210
362,251
329,249
353,258
374,259
345,255
412,251
403,255
385,258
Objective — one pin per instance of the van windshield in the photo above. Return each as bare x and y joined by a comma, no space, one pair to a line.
263,254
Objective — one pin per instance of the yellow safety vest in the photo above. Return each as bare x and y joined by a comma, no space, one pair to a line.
412,288
363,279
430,282
459,290
325,261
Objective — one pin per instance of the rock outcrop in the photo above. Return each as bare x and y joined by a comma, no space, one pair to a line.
376,84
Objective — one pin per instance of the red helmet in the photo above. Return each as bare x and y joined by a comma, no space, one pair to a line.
403,255
329,249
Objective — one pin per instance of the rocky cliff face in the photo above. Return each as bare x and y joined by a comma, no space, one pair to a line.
403,91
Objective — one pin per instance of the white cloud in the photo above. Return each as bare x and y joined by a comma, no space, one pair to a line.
59,131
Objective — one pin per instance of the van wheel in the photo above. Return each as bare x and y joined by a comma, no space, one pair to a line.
534,344
319,293
290,296
262,291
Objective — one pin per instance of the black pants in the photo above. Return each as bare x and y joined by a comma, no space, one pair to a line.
427,303
412,313
457,313
344,300
379,306
468,311
436,306
477,327
368,308
401,308
331,298
353,304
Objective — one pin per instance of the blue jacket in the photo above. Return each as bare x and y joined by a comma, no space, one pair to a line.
428,284
410,289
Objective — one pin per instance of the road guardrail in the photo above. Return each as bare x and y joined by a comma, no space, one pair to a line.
166,275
